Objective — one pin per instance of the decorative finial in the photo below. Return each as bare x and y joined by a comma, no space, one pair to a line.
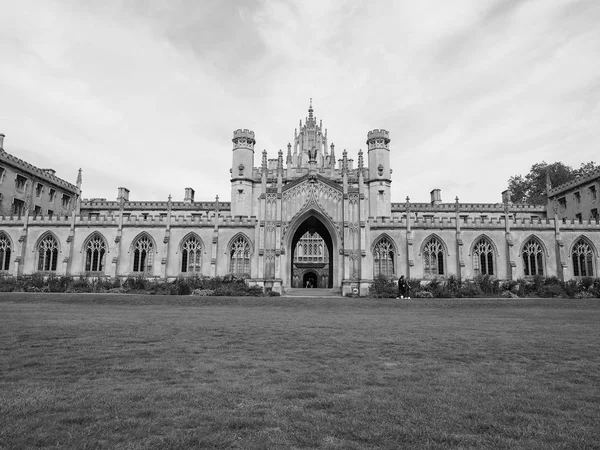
310,111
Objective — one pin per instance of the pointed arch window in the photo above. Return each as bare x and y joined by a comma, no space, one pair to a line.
143,255
5,250
483,257
383,255
533,258
433,258
95,254
582,256
48,254
191,255
239,257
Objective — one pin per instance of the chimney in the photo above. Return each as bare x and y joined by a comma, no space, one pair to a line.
1,141
189,195
506,196
436,196
123,194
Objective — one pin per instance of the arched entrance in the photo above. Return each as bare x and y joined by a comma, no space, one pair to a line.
310,280
318,264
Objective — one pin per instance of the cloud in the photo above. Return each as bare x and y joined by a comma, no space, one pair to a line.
146,94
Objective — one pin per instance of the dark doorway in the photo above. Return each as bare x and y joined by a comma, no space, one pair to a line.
310,280
313,225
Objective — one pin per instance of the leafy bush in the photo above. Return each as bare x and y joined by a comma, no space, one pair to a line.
274,294
203,292
423,294
7,283
383,287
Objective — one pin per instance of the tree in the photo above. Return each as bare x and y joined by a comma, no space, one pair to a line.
532,188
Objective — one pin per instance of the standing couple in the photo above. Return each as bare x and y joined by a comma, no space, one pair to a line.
403,288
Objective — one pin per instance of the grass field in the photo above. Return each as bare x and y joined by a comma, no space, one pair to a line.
147,372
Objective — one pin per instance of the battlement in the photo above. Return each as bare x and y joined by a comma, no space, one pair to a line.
469,207
44,174
244,134
378,134
592,176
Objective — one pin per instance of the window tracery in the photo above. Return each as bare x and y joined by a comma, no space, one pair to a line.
143,254
191,255
310,248
533,258
95,254
383,255
5,250
483,257
582,256
239,256
48,254
433,258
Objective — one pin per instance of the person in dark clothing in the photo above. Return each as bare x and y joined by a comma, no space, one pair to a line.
402,288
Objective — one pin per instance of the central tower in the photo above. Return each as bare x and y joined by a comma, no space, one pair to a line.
311,138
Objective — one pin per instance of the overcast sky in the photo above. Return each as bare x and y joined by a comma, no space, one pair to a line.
146,94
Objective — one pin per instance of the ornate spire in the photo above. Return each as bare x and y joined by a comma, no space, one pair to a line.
360,160
264,161
288,159
310,111
78,182
332,154
280,162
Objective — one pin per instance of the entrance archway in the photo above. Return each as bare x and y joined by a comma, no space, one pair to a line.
310,280
322,269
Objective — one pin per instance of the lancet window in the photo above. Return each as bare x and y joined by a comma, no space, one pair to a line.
95,254
239,257
533,258
483,257
48,254
191,255
143,254
5,250
383,255
433,258
310,248
582,256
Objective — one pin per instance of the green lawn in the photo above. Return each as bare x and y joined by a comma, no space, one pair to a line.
149,372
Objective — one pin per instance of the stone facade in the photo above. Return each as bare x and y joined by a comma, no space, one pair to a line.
309,195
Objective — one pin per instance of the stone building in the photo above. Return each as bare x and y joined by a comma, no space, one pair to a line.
307,217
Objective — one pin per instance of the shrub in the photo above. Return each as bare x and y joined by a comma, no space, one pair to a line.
552,290
383,287
571,288
7,283
486,284
203,292
136,284
274,294
423,294
470,288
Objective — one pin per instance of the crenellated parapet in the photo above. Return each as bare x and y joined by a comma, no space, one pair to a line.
578,181
468,207
243,139
378,139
